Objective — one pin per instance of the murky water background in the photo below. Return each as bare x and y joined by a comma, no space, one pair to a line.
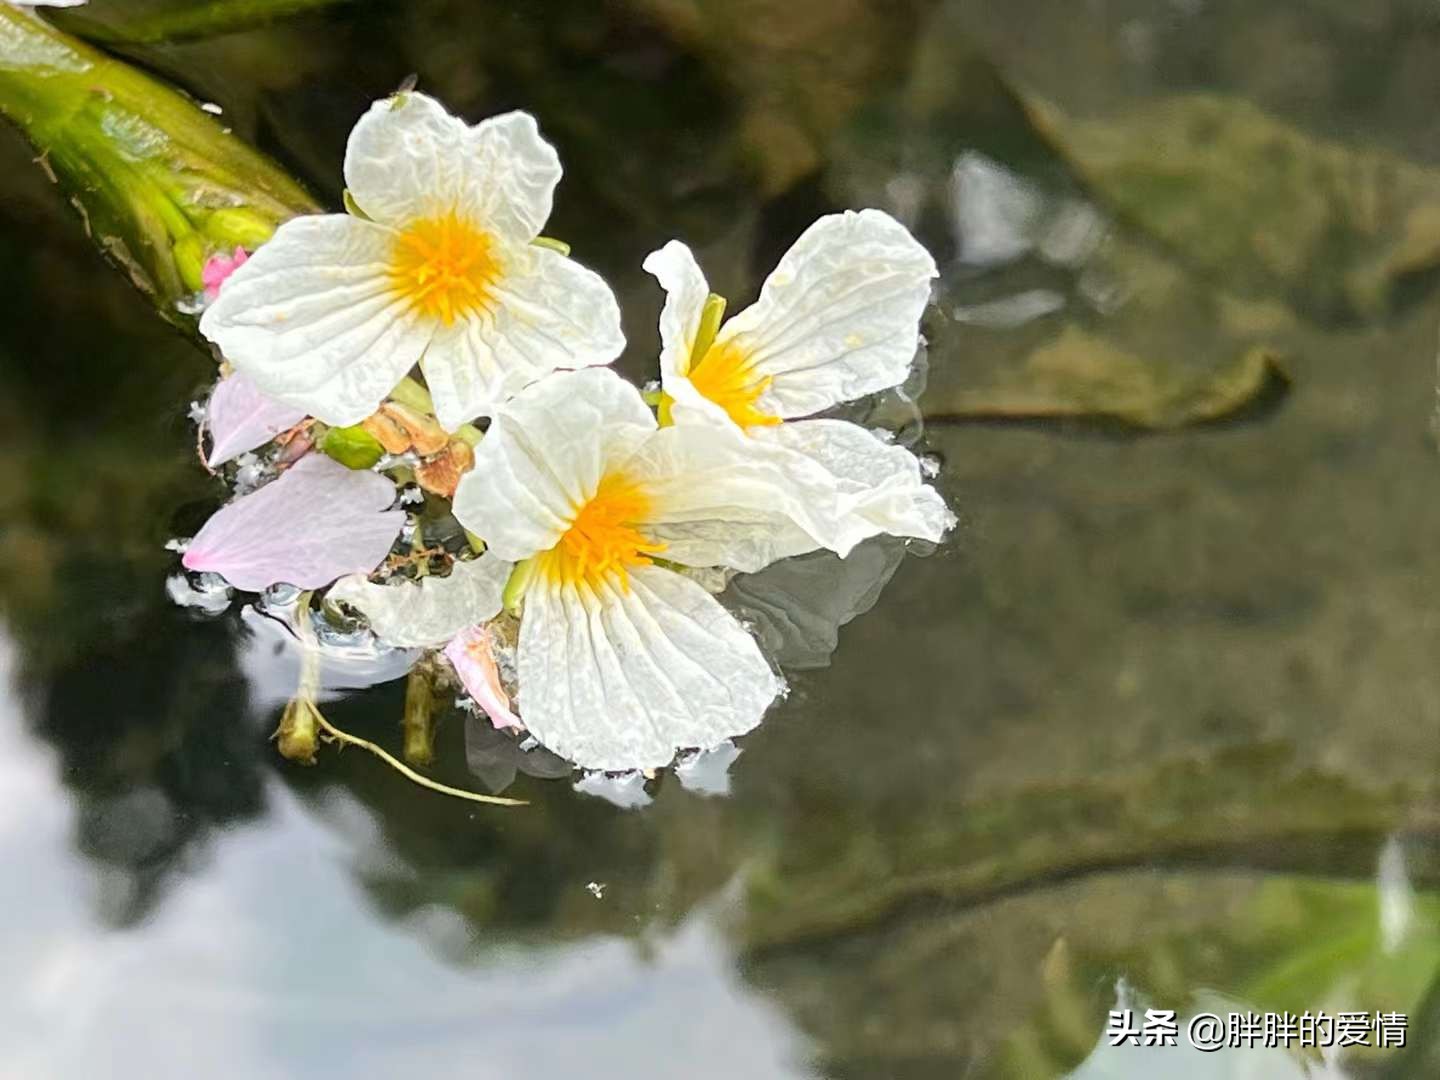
1164,712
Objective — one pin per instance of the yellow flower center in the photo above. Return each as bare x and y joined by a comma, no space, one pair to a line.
726,376
445,267
602,541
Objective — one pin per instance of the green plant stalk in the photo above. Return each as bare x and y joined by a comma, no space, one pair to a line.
298,736
159,185
418,722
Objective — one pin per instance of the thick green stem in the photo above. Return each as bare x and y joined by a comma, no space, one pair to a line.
418,724
159,184
298,736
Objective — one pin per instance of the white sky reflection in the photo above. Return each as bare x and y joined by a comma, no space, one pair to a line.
267,961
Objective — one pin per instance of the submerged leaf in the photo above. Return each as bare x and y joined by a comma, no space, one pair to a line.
432,612
241,418
1332,228
315,523
1080,374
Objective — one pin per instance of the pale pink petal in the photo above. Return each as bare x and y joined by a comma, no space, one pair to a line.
241,417
317,522
474,662
219,267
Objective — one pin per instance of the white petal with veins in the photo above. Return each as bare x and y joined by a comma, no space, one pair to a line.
880,487
839,316
618,679
545,455
407,158
686,291
313,321
548,312
410,615
719,499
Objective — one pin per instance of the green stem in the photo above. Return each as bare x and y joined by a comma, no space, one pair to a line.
160,184
418,723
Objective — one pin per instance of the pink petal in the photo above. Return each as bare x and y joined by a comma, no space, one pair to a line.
220,267
469,652
241,418
317,522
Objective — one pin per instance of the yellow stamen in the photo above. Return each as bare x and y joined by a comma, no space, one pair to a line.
726,376
445,267
602,541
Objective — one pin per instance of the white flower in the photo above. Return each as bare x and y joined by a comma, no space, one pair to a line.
623,661
838,318
335,309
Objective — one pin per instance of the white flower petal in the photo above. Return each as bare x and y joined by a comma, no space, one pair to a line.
719,498
472,654
544,457
839,316
408,158
409,615
881,489
686,291
314,523
313,321
240,418
621,679
549,312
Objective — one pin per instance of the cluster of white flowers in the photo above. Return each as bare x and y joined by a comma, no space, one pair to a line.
591,508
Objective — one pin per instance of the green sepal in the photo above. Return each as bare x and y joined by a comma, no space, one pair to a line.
353,447
520,579
352,207
711,316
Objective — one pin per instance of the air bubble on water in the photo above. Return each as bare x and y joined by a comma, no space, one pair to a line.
205,592
341,633
625,790
280,595
707,772
211,108
596,889
192,304
250,473
388,462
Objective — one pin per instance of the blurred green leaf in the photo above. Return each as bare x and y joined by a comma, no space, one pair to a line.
174,22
